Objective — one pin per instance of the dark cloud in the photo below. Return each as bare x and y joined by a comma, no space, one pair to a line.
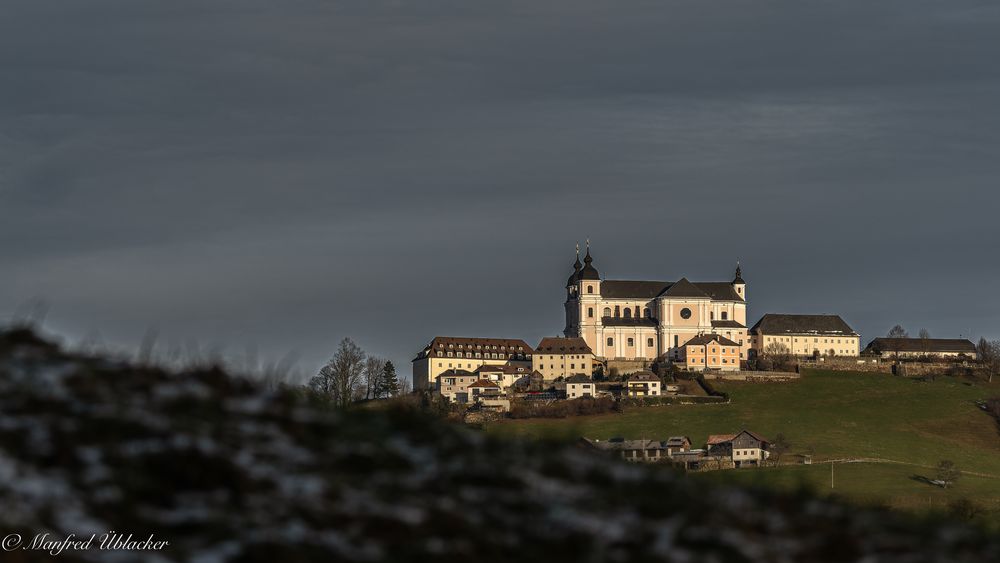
286,174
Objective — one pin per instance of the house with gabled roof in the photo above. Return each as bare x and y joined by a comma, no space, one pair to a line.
711,352
745,448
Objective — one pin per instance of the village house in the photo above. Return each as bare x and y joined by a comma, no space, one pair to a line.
506,376
579,386
910,348
488,395
647,451
641,384
744,448
556,357
454,384
711,352
805,335
444,353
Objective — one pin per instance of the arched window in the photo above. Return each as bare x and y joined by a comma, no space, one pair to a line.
628,313
607,311
646,312
611,342
590,311
590,289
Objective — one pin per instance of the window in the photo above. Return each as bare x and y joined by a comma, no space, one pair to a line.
628,313
611,342
590,311
675,341
685,313
711,315
590,289
649,342
607,311
631,342
646,312
617,311
725,315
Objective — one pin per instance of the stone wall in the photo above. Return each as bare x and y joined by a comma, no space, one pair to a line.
755,376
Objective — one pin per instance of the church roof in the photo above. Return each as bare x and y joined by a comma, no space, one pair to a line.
727,324
802,324
628,289
684,288
627,321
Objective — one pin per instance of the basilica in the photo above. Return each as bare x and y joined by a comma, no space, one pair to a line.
646,320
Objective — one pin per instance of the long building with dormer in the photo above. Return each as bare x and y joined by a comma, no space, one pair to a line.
644,320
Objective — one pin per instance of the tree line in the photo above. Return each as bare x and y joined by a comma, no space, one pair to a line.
352,375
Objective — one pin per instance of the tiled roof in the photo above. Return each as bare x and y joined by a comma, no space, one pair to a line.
684,288
644,375
505,346
830,325
483,383
727,324
716,439
704,339
556,345
579,378
506,368
930,345
455,373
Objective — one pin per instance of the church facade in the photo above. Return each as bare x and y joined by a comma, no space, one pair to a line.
644,320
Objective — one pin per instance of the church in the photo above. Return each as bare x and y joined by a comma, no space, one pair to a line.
644,320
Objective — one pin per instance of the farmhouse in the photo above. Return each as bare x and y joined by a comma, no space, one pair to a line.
805,335
744,448
919,347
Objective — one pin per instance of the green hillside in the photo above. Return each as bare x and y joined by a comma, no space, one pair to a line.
836,415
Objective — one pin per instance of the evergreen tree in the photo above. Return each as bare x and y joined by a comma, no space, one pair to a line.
388,385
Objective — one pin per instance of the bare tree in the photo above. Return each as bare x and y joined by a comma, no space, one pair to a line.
779,447
777,354
947,473
405,386
989,356
372,376
341,377
896,336
925,341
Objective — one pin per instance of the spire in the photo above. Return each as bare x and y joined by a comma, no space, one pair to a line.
589,272
575,276
739,274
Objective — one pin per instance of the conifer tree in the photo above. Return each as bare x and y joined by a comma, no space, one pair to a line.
388,385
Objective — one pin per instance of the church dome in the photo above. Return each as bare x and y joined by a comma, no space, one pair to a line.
589,272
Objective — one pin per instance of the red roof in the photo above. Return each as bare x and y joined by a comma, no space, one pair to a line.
483,383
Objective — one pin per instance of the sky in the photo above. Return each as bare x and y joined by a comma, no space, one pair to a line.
267,178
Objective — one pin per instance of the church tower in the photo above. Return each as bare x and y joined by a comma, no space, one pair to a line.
738,284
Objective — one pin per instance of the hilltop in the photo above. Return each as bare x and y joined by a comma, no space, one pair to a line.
228,470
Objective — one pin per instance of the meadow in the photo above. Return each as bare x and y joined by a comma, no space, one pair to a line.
912,424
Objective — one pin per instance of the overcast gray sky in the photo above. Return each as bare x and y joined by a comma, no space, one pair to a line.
284,174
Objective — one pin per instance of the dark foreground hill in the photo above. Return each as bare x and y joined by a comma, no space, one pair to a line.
226,471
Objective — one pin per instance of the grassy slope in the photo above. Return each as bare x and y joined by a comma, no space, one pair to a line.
840,415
